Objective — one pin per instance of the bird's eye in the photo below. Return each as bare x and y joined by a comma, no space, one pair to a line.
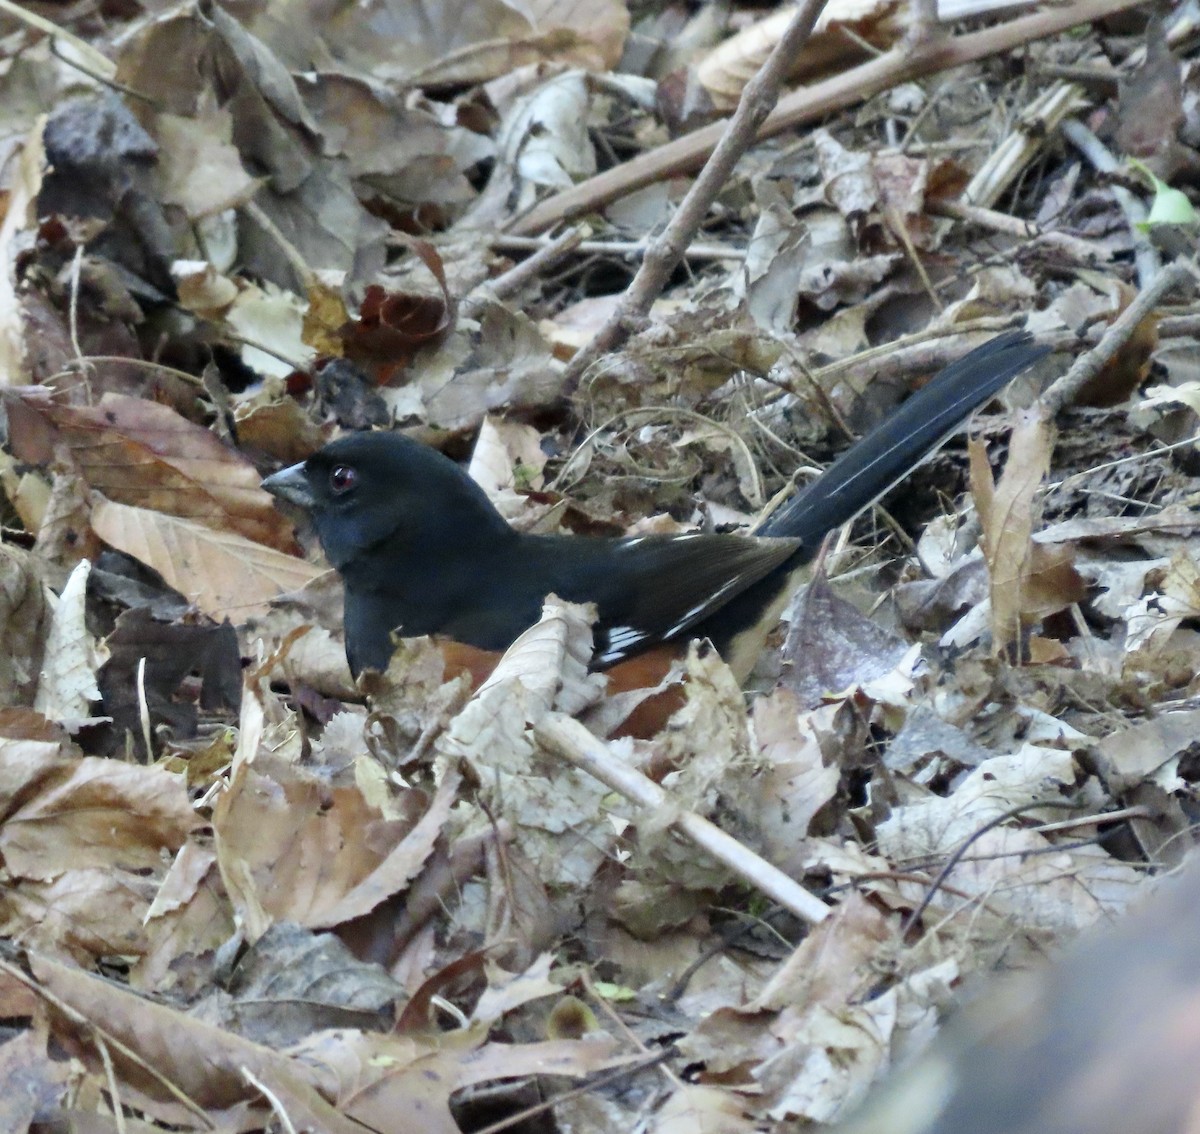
342,478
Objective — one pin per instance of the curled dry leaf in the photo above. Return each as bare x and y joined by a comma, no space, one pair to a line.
270,318
507,456
560,816
833,647
64,811
696,1109
550,661
734,62
812,1038
67,687
84,841
189,919
379,1077
1006,511
796,781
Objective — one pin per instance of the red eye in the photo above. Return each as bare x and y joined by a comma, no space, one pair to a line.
342,478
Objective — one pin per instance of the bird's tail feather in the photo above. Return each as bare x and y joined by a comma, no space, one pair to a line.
871,466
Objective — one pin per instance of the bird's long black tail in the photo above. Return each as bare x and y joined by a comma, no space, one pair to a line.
890,451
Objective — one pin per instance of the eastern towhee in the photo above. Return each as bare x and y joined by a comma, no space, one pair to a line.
421,549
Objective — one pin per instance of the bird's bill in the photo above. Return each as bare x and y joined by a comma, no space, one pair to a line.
291,484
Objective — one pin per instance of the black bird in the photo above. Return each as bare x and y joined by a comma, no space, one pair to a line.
422,551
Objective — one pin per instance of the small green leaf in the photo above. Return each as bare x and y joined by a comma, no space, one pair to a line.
1170,206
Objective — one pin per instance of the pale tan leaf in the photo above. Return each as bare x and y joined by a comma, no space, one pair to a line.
274,318
462,42
224,574
202,288
550,660
67,686
200,167
190,917
82,914
20,217
697,1109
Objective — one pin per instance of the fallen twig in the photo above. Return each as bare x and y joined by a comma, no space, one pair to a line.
1087,366
1028,232
667,249
546,254
687,154
569,739
1146,256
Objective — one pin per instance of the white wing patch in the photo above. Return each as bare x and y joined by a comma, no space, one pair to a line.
710,603
621,639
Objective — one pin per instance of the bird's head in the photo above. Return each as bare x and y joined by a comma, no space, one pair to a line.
366,488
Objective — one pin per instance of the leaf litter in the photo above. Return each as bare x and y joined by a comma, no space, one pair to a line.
244,892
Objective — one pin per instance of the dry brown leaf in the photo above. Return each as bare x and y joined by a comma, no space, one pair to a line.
190,917
821,1046
202,289
469,41
65,812
392,326
225,575
833,647
936,825
833,962
508,991
272,318
35,1083
24,615
277,424
540,797
550,661
504,363
1007,514
64,532
170,1048
84,841
293,847
1172,594
381,1077
140,453
507,456
27,490
796,780
20,217
82,914
1120,377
